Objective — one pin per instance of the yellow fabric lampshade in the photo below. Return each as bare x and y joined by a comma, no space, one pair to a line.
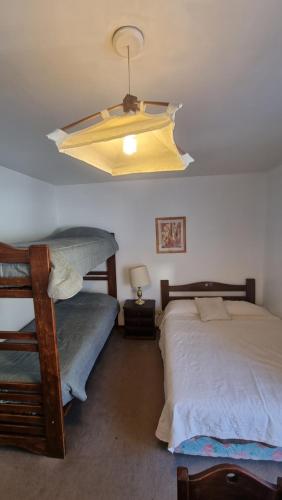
104,144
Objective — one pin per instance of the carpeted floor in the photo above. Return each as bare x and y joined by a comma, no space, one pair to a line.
112,453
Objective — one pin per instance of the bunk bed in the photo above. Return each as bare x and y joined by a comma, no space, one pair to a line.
222,374
45,365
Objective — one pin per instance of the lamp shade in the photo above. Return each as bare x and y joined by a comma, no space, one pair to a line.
139,276
128,144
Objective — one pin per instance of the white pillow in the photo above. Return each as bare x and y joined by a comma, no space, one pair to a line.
243,308
211,308
186,308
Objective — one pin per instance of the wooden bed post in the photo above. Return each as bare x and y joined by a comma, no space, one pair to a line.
112,281
182,483
109,275
164,293
48,352
250,290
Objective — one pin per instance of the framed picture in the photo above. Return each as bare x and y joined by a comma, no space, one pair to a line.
171,234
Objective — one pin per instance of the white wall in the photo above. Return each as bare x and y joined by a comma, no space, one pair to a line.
27,211
225,223
225,227
273,247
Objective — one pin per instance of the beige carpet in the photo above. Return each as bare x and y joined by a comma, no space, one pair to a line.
112,453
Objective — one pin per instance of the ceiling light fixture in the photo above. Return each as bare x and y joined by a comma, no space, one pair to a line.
133,141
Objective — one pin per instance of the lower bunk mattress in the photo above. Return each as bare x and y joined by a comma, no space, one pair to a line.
84,323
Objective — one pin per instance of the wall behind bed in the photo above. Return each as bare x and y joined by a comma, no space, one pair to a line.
27,211
225,223
273,243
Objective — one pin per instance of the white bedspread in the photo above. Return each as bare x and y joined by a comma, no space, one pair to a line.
222,379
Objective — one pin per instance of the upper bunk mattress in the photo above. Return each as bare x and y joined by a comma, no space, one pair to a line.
74,252
83,325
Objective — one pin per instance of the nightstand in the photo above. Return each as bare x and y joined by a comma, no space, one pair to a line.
139,321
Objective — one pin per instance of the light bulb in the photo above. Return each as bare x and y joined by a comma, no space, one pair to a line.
129,146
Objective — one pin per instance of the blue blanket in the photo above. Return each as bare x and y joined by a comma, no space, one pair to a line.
84,323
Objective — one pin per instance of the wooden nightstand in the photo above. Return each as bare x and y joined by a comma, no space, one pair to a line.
139,321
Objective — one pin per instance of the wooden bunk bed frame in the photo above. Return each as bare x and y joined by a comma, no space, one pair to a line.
204,288
32,414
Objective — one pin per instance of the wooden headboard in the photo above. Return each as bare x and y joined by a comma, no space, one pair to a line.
206,287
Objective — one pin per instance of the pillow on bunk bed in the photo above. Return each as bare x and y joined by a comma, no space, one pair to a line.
211,308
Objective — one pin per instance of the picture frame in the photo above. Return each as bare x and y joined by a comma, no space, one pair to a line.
170,234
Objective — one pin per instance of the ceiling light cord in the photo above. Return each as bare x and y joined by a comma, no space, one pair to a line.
128,69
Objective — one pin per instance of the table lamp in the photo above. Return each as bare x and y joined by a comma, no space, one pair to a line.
139,278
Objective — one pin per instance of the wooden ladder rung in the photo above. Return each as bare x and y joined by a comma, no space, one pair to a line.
18,335
15,282
20,396
18,346
22,429
16,293
22,419
21,409
22,386
13,255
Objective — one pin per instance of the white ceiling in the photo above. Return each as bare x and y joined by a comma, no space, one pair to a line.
220,58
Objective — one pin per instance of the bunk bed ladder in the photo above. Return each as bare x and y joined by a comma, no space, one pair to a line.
31,414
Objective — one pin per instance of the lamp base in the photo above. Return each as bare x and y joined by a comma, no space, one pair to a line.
140,302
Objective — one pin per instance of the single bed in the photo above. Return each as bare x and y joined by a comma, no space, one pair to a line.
45,365
223,378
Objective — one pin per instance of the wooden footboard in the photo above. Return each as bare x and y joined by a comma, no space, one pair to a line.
31,414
